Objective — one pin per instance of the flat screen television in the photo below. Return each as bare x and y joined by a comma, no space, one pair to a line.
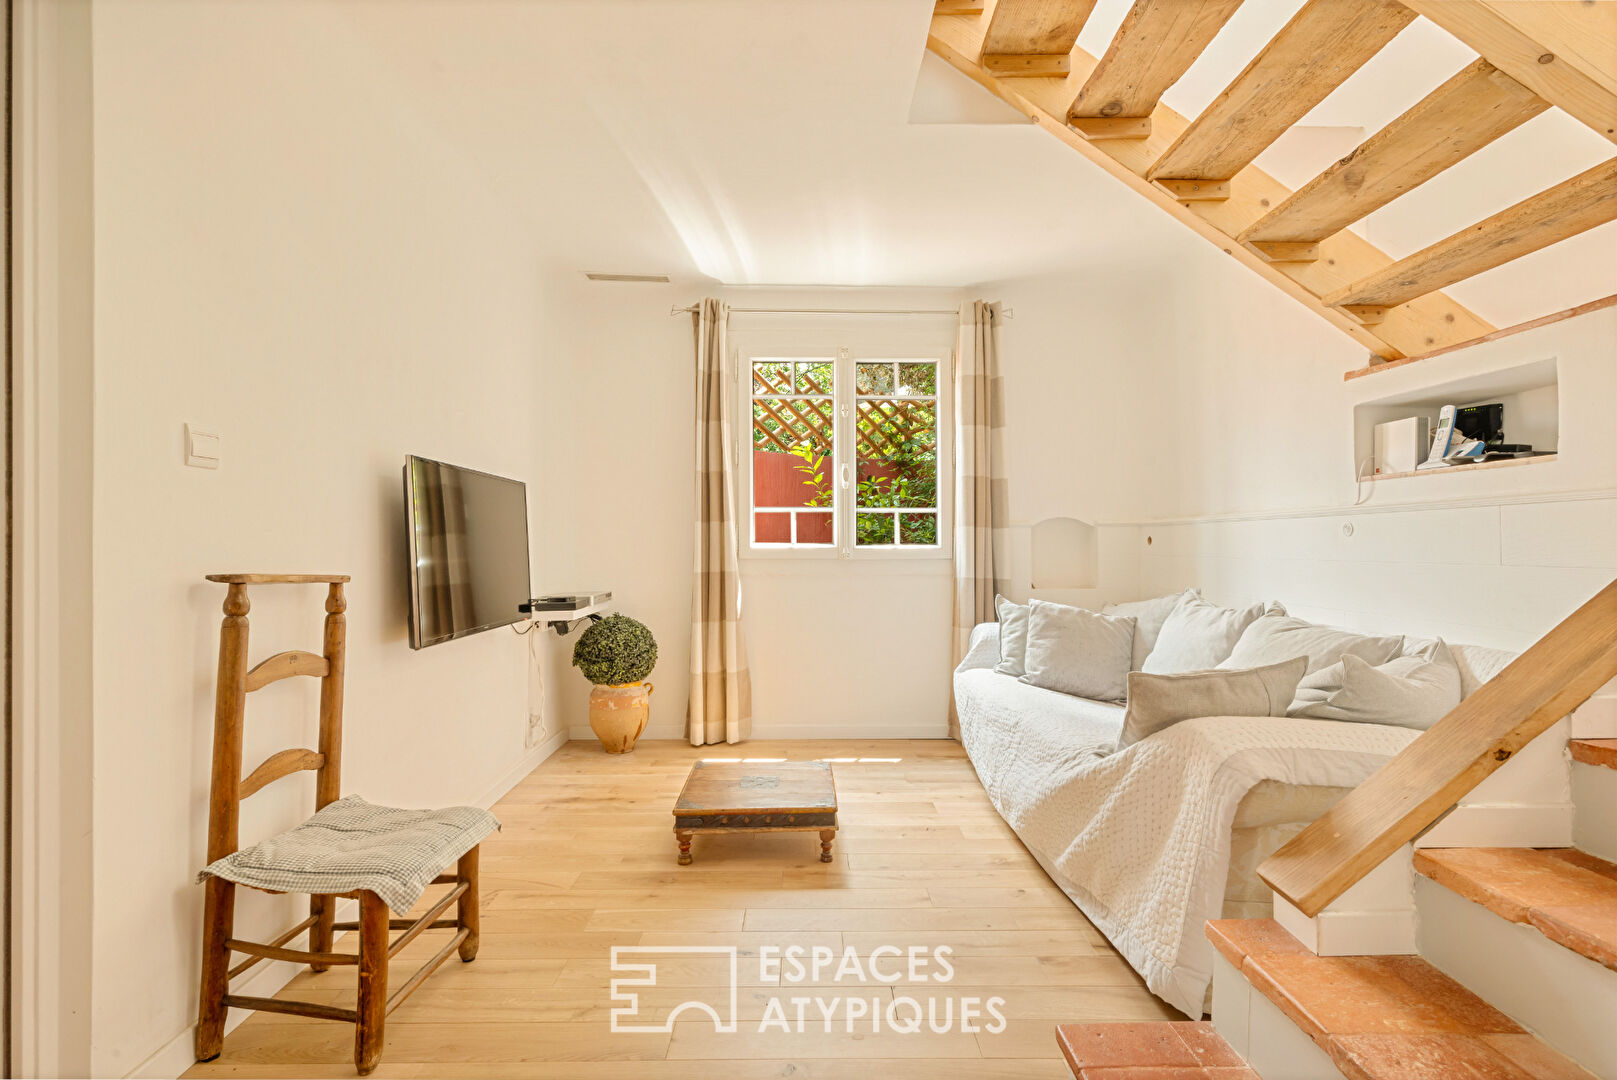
468,550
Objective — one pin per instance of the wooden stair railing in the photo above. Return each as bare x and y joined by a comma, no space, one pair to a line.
1426,780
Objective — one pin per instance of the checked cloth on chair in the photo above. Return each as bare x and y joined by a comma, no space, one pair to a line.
353,844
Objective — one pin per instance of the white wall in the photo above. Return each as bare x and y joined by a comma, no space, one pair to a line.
284,256
1200,417
620,378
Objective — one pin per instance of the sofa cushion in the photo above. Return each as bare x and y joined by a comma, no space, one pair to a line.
1274,638
1078,652
1199,635
1160,701
1148,615
1413,691
1012,636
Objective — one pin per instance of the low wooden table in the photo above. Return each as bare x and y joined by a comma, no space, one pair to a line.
740,797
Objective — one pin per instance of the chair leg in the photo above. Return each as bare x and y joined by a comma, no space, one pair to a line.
324,910
466,906
373,941
218,919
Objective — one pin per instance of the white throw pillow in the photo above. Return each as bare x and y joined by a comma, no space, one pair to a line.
1274,638
1199,635
1149,615
1410,691
1012,636
1160,701
1078,652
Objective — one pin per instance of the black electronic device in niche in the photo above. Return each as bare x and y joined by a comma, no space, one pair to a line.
1486,423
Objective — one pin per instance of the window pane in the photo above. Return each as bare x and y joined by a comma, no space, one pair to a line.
772,528
918,528
814,377
918,379
874,378
898,460
875,529
771,377
815,528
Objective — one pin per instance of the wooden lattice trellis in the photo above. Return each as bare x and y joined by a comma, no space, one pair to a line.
884,425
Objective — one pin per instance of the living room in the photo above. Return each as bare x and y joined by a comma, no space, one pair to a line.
331,235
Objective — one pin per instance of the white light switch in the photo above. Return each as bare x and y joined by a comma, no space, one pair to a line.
202,448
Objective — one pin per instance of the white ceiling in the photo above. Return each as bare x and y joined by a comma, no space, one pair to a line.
792,142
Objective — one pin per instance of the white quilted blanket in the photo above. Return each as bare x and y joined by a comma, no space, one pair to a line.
1141,839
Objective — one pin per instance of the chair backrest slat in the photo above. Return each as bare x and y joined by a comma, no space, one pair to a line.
284,665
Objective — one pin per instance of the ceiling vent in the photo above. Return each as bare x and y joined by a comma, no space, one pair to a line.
656,279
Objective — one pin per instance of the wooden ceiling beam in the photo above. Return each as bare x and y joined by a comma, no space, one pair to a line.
1155,45
1216,211
1031,38
1564,51
1570,207
1314,53
1466,113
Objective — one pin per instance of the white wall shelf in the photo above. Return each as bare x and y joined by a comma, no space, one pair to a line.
1530,393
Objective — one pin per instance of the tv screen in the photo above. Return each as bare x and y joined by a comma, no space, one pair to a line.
468,550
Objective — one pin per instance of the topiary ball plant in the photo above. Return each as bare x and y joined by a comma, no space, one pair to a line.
614,651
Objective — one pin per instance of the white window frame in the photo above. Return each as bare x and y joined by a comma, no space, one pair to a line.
846,349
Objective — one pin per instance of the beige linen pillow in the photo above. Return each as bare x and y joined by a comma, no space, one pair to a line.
1273,638
1078,652
1012,636
1148,615
1160,701
1410,691
1199,635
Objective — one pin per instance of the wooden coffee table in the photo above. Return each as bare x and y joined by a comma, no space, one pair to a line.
740,797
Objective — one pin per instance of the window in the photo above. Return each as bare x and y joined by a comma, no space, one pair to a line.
846,452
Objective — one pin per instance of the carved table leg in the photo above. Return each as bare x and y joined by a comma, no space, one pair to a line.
684,839
826,836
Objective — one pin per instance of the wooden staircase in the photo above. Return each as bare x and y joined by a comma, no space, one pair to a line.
1511,970
1533,55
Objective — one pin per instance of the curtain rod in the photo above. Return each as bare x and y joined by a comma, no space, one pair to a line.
692,309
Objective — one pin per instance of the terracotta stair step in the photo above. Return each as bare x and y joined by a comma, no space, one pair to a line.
1385,1017
1565,894
1595,751
1150,1050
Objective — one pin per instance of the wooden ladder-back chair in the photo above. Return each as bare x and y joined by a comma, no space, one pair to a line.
229,787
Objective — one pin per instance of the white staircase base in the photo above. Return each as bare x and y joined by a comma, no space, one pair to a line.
1273,1046
1594,789
1568,1000
1376,917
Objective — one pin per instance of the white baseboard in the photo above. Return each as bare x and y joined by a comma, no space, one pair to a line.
271,976
1502,826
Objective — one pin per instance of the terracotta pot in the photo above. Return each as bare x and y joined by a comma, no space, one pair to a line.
618,715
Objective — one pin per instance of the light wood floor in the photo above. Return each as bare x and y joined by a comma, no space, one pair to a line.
586,861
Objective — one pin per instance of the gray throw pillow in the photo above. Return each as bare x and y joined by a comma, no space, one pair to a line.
1273,638
1160,701
1413,691
1078,652
1012,636
1199,635
1149,615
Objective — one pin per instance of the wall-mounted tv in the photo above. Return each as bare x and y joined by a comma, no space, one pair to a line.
468,550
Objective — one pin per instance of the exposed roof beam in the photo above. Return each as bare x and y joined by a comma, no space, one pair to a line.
1314,53
1158,41
1457,119
1570,207
1562,50
1032,37
1218,212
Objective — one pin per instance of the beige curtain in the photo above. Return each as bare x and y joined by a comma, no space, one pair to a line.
980,504
721,686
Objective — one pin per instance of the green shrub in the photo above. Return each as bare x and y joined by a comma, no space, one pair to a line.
615,651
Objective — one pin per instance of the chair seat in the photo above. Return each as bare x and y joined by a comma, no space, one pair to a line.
352,845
